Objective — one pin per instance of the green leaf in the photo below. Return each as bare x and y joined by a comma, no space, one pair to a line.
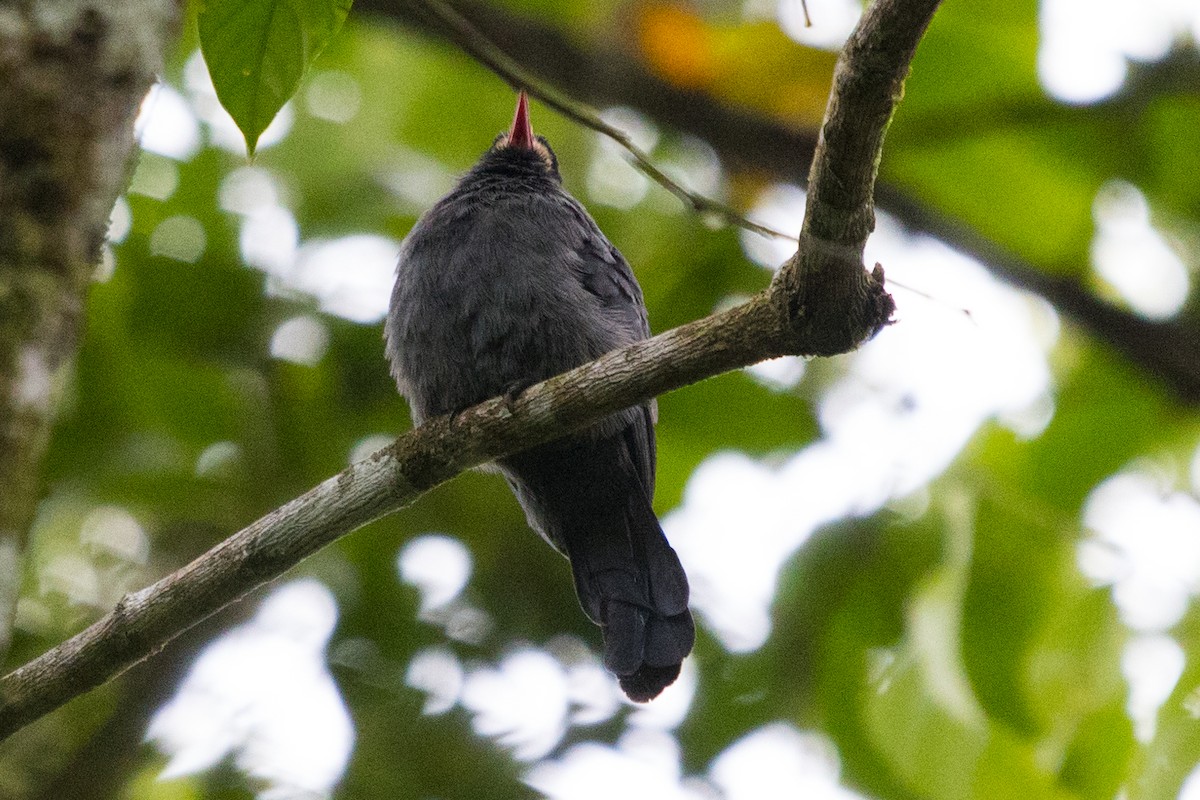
258,50
841,605
927,724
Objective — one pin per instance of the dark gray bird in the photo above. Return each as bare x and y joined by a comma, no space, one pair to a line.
507,281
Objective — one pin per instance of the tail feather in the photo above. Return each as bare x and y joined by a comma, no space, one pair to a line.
630,582
624,629
669,639
591,501
648,682
668,582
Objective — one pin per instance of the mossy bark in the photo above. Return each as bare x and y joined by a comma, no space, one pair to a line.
72,76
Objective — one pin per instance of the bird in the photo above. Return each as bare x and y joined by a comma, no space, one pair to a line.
505,282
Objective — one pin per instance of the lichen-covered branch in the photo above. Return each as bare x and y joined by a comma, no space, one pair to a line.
72,75
773,323
823,284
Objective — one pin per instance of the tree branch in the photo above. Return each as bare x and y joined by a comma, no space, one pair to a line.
72,74
100,767
607,75
868,82
852,303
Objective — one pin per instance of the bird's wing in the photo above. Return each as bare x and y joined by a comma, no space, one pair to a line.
639,438
605,274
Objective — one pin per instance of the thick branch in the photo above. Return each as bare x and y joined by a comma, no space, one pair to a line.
607,75
385,482
769,325
72,74
826,272
868,82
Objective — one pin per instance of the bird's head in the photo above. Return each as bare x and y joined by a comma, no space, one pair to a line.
520,149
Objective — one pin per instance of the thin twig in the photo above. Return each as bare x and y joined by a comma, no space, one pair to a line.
471,40
480,47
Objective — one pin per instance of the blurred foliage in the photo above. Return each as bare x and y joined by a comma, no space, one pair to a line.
752,64
953,652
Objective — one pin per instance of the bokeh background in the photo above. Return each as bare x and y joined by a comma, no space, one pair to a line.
959,563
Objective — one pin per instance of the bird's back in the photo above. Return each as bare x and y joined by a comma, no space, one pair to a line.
496,294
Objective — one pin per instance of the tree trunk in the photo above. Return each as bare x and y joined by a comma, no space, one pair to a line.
72,75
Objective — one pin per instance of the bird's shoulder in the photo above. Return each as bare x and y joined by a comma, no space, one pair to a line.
598,265
535,216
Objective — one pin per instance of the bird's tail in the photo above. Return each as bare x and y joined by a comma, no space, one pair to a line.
590,498
631,584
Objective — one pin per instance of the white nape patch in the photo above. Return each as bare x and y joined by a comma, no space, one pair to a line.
262,694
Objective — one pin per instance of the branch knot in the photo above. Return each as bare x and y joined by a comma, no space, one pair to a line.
828,303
